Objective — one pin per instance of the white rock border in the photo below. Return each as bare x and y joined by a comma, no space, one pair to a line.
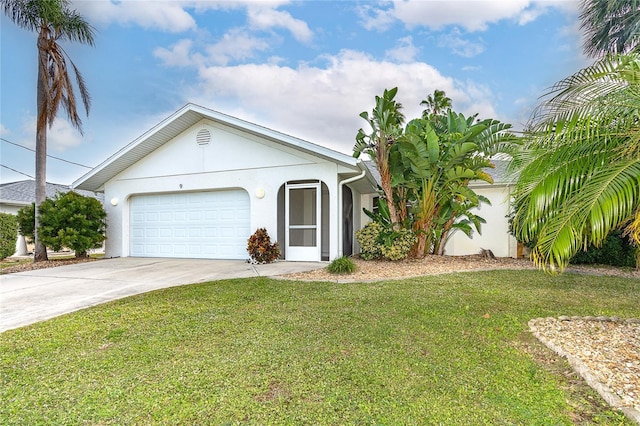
604,391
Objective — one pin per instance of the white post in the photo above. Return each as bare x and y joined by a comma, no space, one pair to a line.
21,246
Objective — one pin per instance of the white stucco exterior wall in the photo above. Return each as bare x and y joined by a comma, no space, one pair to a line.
232,160
495,233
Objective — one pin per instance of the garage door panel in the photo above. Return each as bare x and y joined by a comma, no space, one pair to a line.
201,225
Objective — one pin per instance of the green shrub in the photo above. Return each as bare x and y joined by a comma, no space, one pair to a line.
377,241
8,234
368,238
26,221
72,220
260,248
616,250
398,244
342,265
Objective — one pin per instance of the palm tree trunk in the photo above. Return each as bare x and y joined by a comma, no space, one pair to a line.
40,252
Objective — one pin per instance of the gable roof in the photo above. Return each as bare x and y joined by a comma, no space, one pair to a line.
180,121
23,192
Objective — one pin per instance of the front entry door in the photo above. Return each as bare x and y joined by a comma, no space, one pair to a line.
302,207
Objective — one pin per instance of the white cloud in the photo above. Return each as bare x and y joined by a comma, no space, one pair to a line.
405,51
459,45
60,137
473,15
375,18
4,131
176,15
167,16
322,104
235,45
178,55
264,18
63,136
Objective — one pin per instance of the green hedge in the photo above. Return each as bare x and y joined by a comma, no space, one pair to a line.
8,234
616,250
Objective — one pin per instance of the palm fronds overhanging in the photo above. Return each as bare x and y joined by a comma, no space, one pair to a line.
580,167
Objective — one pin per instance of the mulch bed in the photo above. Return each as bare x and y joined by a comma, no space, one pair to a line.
51,263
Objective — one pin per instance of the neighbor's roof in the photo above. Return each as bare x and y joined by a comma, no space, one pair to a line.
23,192
180,121
499,174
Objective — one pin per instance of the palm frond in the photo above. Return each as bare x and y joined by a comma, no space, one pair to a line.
610,26
602,203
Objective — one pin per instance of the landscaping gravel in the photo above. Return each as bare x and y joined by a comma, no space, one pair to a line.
604,351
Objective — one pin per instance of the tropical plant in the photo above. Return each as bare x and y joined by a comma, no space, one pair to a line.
610,26
436,104
436,159
425,171
8,234
53,21
580,168
260,248
385,124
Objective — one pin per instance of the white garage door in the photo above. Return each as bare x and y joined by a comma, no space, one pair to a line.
208,225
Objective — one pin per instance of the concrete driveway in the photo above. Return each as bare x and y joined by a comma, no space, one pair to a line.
29,297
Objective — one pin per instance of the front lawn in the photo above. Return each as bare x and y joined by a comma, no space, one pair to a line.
449,349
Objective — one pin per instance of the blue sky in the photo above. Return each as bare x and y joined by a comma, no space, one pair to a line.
305,68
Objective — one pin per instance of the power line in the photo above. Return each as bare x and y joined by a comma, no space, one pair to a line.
14,170
48,155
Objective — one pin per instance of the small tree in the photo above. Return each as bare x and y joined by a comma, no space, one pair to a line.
68,220
8,234
26,222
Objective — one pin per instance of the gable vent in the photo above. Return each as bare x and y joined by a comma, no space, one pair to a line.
203,137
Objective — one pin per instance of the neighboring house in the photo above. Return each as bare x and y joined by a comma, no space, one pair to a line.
16,195
494,234
199,183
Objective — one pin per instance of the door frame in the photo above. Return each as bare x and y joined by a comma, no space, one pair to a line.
297,253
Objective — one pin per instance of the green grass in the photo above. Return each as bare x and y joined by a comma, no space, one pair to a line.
8,263
261,351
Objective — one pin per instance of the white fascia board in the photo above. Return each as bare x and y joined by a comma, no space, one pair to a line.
128,148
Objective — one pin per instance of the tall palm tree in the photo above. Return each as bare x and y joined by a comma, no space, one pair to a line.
436,104
53,21
580,171
610,26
